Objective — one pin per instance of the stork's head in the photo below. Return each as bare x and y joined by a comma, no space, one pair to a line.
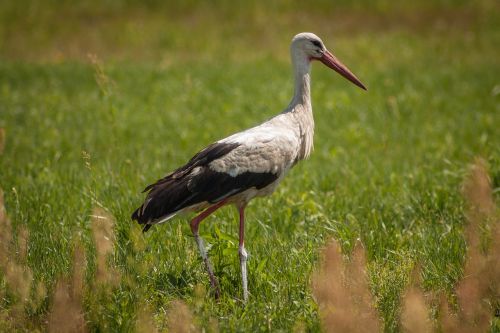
308,47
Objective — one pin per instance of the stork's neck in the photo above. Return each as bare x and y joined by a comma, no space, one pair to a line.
302,93
299,110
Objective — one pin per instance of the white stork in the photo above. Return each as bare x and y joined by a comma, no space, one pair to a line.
244,165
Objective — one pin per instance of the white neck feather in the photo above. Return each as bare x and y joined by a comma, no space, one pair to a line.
301,66
300,108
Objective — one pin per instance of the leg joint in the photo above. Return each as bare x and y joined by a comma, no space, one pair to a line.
194,226
243,253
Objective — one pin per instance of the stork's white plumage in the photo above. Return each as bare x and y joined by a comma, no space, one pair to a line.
247,164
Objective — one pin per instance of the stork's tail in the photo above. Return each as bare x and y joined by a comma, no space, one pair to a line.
137,216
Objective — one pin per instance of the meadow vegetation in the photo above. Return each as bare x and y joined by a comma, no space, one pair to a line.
391,224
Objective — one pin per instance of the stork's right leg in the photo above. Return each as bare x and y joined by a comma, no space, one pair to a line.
243,254
201,246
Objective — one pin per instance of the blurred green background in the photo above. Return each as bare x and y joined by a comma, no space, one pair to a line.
164,31
100,98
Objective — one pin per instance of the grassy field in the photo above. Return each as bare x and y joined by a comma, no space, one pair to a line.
98,101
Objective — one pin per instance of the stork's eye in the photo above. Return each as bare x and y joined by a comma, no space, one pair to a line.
316,43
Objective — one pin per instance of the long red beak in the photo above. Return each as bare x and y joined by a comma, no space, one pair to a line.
331,61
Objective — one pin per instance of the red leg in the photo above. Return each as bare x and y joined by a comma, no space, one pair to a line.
195,222
194,228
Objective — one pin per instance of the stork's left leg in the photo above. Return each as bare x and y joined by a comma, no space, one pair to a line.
243,254
199,241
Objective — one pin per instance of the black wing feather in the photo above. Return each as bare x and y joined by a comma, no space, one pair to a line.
181,189
212,152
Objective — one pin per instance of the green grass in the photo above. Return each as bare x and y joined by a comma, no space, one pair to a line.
387,167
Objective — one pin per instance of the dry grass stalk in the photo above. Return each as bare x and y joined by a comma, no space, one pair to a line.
66,314
103,81
478,192
299,327
342,293
6,234
102,230
39,295
213,325
7,324
18,277
415,315
145,320
22,241
78,277
415,312
479,291
180,319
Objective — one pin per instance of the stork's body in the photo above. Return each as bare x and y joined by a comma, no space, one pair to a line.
247,164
